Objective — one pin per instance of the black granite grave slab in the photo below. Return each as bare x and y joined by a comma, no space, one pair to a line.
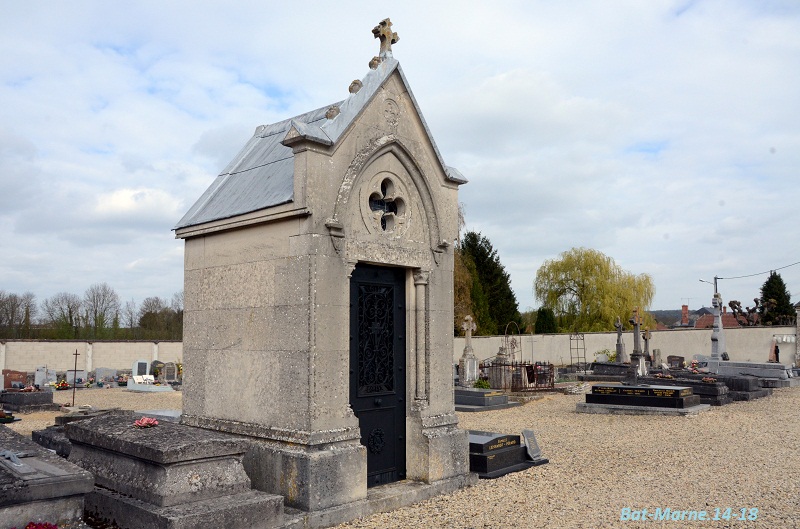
635,400
609,368
654,391
493,455
750,395
698,386
774,383
481,442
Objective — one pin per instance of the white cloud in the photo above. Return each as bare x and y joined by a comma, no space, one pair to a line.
662,133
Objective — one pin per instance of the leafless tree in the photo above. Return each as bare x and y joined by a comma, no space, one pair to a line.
16,314
130,317
62,309
101,306
177,302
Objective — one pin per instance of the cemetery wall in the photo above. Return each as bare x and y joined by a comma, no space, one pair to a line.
744,344
27,355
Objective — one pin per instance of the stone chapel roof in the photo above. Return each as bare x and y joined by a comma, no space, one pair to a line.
262,174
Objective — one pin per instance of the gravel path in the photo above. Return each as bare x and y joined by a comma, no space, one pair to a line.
103,398
744,455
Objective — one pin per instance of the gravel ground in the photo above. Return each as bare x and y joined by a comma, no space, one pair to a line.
103,398
742,456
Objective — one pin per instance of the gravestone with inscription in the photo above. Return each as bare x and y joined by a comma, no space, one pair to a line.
14,379
532,447
170,372
492,455
140,367
643,395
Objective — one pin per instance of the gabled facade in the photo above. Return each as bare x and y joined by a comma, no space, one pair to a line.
318,300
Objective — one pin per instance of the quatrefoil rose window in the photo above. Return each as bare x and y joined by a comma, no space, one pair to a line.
387,206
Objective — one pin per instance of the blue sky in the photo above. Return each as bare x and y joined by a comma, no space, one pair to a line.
662,133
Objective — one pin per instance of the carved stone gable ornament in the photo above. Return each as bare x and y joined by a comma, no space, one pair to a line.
391,111
384,205
383,31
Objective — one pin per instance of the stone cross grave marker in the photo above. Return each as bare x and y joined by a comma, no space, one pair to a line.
622,357
468,364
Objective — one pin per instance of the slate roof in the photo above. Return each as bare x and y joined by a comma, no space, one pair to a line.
262,174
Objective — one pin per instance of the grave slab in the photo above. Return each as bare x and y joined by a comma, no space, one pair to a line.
492,455
168,476
476,399
616,409
37,485
643,395
27,401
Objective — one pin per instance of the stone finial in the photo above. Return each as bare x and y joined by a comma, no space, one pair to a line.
332,112
383,31
373,64
355,86
468,326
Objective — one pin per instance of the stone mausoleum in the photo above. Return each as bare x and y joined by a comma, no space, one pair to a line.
319,299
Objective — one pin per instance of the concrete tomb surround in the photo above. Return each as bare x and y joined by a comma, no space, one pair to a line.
268,293
37,485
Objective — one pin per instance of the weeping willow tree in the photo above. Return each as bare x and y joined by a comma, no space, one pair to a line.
587,291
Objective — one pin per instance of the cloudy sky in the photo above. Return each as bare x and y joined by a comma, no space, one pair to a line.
663,133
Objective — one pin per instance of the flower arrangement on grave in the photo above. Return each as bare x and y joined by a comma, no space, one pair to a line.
145,422
29,389
62,384
179,366
40,525
694,367
709,380
662,375
89,382
122,380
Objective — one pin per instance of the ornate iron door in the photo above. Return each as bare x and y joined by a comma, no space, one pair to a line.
377,368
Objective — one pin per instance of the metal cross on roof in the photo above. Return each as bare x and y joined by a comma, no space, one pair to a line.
384,32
